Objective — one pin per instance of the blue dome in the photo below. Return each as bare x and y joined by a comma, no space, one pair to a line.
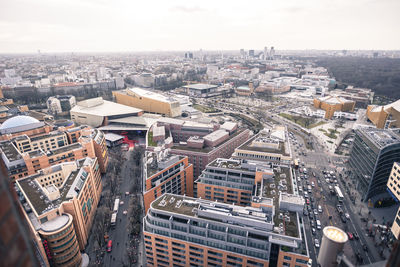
18,121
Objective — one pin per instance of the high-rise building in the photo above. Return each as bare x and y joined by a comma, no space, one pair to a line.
17,248
60,203
188,231
393,185
272,52
251,53
265,56
166,173
333,240
371,159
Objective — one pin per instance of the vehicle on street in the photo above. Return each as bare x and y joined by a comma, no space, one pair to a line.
343,218
365,247
339,209
121,203
319,209
113,219
125,212
305,212
347,216
350,235
315,212
109,246
356,236
126,193
319,225
313,231
316,242
339,194
312,184
307,201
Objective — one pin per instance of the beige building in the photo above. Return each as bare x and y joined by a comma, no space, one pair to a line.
331,104
269,145
393,185
97,112
148,101
60,203
382,116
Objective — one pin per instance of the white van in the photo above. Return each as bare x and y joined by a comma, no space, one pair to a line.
318,225
319,209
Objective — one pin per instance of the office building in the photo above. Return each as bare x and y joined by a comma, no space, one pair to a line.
251,53
97,112
148,101
200,154
393,186
371,159
60,203
17,248
270,145
60,104
166,173
333,240
186,231
331,104
387,116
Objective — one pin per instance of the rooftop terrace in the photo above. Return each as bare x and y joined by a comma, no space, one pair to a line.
249,145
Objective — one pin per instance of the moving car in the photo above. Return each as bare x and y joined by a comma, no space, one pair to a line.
313,231
350,235
347,215
319,209
109,246
316,242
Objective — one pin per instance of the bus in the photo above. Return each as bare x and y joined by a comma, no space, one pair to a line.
116,205
296,163
339,194
113,219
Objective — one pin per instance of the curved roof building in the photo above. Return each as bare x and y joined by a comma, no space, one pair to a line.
20,123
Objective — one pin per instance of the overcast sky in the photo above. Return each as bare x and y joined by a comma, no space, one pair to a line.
133,25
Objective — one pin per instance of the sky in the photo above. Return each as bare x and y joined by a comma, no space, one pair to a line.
148,25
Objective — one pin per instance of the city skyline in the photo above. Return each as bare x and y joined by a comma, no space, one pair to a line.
121,26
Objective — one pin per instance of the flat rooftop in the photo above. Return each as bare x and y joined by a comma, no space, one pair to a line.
10,151
212,210
381,137
206,149
200,86
39,200
150,94
248,146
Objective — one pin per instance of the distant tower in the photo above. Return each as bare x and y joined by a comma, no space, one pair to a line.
242,53
333,240
265,53
251,53
272,52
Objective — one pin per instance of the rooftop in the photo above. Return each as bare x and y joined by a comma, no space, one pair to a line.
216,211
99,107
149,94
10,151
36,195
260,138
381,137
200,86
216,135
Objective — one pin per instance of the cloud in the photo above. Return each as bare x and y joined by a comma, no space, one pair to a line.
186,9
294,9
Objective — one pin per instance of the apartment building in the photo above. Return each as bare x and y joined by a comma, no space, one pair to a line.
166,173
371,160
393,186
25,155
60,203
185,231
270,145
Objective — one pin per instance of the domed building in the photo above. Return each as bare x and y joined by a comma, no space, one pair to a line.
22,124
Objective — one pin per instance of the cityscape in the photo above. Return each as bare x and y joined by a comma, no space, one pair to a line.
186,152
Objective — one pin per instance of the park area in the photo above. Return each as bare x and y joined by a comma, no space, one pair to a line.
303,121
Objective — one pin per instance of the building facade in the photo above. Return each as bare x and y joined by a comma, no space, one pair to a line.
187,231
385,116
60,104
371,159
331,104
165,173
393,185
60,204
148,101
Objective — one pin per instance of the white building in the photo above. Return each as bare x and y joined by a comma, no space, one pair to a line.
60,104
